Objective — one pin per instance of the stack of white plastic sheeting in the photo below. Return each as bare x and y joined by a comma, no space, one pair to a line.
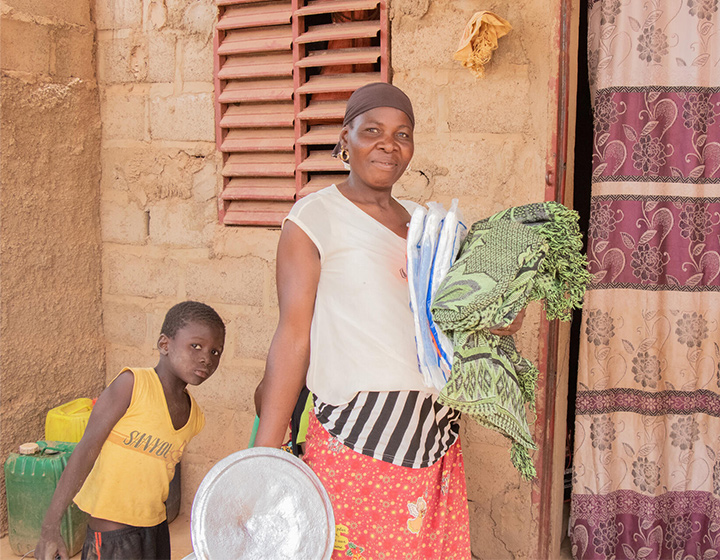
433,242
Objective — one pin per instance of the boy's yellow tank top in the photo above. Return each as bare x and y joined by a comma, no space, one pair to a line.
130,479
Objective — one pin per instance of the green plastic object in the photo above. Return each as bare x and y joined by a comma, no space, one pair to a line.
256,423
30,482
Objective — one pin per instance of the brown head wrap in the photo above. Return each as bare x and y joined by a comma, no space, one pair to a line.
371,96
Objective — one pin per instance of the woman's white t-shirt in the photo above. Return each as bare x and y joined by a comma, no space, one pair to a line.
362,336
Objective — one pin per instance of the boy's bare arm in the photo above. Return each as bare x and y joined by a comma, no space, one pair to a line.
109,408
298,273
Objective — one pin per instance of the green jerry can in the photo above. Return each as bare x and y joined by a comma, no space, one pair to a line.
30,480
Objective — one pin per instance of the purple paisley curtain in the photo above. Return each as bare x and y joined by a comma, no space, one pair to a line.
646,474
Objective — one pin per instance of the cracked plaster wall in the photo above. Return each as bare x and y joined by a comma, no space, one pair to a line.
50,306
484,142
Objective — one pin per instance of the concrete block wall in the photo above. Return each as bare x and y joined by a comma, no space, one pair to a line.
482,141
53,349
162,242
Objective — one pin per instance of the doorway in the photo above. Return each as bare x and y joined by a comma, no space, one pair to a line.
581,192
572,161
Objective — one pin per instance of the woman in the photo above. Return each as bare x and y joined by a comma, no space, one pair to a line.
385,450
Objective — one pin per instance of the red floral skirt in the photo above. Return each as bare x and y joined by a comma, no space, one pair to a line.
387,512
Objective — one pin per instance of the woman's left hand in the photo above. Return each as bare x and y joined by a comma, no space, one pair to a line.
512,328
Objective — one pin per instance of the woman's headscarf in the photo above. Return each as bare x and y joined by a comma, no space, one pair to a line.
371,96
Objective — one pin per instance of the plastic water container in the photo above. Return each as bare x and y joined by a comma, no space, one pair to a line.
30,480
67,422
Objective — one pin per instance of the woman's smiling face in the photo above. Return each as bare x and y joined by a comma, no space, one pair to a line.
380,145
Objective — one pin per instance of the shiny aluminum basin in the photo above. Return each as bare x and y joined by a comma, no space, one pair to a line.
262,504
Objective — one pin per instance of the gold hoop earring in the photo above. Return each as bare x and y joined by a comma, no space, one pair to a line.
344,155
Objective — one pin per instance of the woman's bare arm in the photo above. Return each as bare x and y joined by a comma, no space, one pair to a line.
298,273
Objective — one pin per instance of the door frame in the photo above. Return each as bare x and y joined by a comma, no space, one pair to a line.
550,427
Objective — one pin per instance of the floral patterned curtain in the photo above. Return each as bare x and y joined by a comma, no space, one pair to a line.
646,474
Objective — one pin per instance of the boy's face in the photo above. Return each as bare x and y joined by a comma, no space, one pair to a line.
194,352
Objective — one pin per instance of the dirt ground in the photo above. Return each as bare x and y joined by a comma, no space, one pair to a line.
182,544
179,539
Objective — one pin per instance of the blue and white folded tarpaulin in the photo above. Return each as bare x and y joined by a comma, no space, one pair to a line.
433,241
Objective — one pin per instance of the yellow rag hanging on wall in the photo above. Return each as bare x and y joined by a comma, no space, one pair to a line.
479,40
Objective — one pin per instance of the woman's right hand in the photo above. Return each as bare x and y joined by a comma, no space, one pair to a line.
513,327
51,545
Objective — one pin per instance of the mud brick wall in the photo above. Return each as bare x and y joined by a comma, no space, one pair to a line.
53,348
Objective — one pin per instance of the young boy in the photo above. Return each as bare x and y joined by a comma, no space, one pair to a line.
120,471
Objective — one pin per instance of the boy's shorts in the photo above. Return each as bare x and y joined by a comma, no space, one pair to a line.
132,543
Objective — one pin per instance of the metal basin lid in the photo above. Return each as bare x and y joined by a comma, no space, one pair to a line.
262,504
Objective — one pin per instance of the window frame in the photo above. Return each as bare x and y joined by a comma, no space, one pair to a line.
269,163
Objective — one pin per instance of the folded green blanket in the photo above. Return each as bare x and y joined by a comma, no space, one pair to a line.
521,254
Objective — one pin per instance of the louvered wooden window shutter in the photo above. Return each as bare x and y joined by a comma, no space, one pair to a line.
283,73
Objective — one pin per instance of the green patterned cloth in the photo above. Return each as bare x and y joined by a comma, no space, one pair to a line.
521,254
